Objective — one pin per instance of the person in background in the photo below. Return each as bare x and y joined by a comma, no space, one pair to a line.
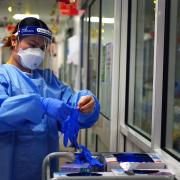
34,103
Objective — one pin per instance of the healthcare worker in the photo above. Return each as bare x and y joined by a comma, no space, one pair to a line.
34,103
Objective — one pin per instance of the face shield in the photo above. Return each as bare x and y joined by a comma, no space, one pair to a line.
34,48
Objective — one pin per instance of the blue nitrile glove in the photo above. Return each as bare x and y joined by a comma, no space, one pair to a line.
70,128
86,156
56,109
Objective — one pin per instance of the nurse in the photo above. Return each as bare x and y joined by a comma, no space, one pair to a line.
34,103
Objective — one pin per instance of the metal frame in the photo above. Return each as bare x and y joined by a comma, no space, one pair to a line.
122,75
132,60
81,47
90,3
120,133
115,77
171,71
46,162
103,133
89,41
126,132
158,74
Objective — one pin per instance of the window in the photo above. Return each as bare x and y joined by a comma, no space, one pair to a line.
93,56
85,26
172,143
93,47
107,30
141,55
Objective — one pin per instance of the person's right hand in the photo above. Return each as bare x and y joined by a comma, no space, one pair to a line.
56,109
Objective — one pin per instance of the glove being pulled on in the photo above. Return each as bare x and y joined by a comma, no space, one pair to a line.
70,128
56,109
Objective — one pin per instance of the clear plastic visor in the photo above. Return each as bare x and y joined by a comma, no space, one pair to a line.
42,46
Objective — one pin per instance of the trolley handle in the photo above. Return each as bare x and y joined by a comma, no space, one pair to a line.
49,157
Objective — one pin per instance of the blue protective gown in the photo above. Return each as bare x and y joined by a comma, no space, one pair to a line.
27,135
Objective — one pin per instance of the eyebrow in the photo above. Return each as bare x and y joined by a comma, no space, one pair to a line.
32,41
35,42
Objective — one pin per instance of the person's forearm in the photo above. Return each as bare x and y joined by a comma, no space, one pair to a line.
16,110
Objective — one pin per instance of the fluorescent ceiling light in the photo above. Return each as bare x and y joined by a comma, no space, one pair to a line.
104,20
22,16
94,19
108,20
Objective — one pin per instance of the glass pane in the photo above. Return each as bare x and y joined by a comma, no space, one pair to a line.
91,140
94,44
101,147
84,50
141,63
107,33
173,115
93,63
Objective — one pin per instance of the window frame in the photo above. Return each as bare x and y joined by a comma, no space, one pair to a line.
100,55
89,41
169,75
130,69
126,132
90,3
109,131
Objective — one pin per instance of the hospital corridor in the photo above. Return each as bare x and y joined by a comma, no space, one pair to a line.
89,89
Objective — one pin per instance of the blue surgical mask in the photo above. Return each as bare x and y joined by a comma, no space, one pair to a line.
31,58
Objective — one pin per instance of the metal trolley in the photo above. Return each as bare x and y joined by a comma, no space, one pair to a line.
46,175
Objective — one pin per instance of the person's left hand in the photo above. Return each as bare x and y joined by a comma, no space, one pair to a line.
86,104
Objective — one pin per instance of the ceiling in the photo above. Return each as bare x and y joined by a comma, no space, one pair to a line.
47,10
42,7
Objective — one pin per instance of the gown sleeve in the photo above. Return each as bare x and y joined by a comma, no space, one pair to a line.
16,111
86,120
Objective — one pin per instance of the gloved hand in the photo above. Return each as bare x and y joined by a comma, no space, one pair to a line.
56,109
70,128
86,104
86,156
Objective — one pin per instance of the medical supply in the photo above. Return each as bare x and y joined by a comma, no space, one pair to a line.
71,128
111,162
139,161
86,156
75,167
31,58
34,30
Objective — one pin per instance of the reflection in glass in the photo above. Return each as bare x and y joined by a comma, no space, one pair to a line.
141,58
93,48
84,49
173,116
93,63
107,31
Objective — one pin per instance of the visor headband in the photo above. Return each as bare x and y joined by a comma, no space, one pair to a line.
34,30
